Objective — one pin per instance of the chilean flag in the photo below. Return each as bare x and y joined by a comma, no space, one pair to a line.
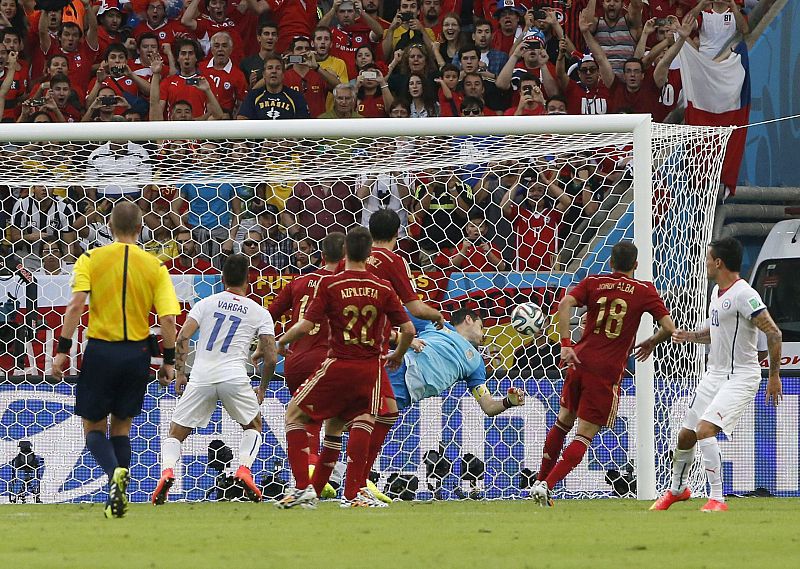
718,94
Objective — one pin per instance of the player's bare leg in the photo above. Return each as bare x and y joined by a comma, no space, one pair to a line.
248,451
303,494
555,441
682,460
383,424
170,455
712,464
571,457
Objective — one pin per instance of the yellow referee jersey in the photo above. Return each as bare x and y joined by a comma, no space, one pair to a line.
124,283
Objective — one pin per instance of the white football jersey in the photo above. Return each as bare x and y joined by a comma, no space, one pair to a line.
715,31
228,323
734,348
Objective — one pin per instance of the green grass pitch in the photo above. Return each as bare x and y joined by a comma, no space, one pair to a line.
590,534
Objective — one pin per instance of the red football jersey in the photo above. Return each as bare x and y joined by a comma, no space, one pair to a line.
359,308
16,94
207,27
346,41
583,101
174,89
228,84
167,32
671,91
645,100
391,267
537,237
80,62
615,306
372,107
296,17
295,297
313,87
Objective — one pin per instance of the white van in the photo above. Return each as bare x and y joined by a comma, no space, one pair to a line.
776,277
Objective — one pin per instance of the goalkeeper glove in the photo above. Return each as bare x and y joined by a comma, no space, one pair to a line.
514,398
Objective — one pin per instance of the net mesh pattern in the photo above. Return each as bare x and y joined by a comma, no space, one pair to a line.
530,215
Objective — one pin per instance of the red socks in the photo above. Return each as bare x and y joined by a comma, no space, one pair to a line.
331,448
383,424
552,448
357,448
297,450
312,429
571,458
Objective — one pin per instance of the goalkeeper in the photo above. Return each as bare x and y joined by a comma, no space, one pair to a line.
442,358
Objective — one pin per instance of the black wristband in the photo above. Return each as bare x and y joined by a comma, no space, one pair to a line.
507,402
169,356
64,344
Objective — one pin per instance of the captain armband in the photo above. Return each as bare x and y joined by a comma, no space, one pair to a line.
480,391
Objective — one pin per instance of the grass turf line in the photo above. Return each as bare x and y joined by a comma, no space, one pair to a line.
515,534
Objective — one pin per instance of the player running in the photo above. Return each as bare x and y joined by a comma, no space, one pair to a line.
308,352
448,356
733,373
227,321
615,304
346,388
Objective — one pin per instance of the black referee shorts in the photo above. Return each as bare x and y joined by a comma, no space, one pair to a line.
113,379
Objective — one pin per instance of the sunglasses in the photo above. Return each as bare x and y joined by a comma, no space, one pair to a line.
470,112
250,243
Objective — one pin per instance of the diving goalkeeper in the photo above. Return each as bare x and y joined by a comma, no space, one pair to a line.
446,357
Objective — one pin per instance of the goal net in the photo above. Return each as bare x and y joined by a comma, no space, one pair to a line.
495,212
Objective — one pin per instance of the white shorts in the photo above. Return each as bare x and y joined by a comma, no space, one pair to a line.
721,400
198,402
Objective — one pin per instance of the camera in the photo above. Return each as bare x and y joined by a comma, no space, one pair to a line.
38,102
539,14
406,16
117,71
369,74
527,90
661,22
533,44
108,100
192,80
295,59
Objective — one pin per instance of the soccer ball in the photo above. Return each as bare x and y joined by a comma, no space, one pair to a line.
527,318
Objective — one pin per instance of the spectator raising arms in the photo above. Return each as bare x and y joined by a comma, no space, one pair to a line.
475,253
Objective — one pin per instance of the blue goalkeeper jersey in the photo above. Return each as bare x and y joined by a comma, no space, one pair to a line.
446,359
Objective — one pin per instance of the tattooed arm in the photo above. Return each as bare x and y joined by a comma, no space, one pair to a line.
181,351
266,345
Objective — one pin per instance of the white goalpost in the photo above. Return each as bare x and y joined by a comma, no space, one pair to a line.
605,178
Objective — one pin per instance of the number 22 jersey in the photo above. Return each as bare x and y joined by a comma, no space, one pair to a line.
227,325
615,304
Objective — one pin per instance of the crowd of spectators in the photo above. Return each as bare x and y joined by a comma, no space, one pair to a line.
78,61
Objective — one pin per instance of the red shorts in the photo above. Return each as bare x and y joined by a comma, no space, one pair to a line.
300,369
342,388
592,397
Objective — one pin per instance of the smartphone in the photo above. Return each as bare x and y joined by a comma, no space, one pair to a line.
533,45
294,59
192,80
662,22
117,71
369,74
108,100
527,90
406,16
36,102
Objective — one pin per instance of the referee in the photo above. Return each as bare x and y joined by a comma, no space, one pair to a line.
125,282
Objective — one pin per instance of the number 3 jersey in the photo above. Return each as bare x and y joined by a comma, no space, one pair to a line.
228,323
615,304
734,348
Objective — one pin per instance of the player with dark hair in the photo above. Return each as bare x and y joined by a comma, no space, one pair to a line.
733,373
446,357
384,263
125,283
307,353
227,323
615,304
346,388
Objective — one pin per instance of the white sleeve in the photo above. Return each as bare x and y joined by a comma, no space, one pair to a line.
197,311
266,327
749,303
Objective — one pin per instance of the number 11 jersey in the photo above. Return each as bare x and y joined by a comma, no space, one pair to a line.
615,304
227,325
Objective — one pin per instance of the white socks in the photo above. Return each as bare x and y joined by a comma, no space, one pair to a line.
682,461
712,464
248,451
170,453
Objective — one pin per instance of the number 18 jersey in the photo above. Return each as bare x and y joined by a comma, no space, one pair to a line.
227,325
615,304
